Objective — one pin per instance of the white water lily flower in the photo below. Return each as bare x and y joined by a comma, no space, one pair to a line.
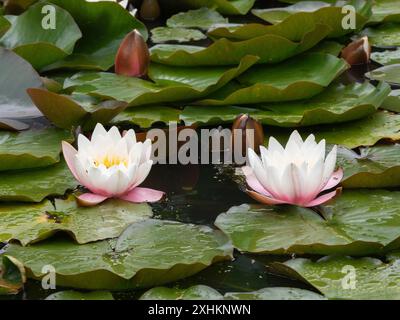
296,174
111,166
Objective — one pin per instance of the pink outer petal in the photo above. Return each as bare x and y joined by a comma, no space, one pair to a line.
334,180
69,153
90,199
324,198
139,195
253,183
264,199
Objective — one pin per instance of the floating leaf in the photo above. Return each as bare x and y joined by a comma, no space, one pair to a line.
172,83
385,35
270,48
385,11
203,18
36,184
201,292
97,48
374,167
330,47
338,103
146,116
32,223
165,34
4,25
387,57
31,149
392,102
71,111
147,254
222,6
16,76
320,12
12,276
75,295
374,279
390,73
358,223
298,78
17,6
38,43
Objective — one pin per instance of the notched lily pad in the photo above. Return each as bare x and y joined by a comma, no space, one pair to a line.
203,18
31,149
147,254
32,223
75,295
166,34
357,223
385,35
373,167
347,278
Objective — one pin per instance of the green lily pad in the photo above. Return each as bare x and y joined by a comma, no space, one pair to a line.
147,254
4,25
172,83
12,276
36,184
16,76
17,6
320,12
338,103
385,11
31,149
223,6
387,57
347,278
75,295
374,167
330,47
201,292
71,111
358,222
385,35
97,49
269,47
390,73
146,116
41,47
32,223
392,102
165,34
298,78
202,18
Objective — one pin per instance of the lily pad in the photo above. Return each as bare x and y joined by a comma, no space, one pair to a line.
36,184
338,103
75,295
201,292
146,116
385,11
12,276
165,34
172,83
71,111
374,167
333,276
357,223
147,254
387,57
270,48
320,12
97,48
202,18
31,149
33,223
42,46
4,25
392,102
385,35
223,6
17,75
390,73
298,78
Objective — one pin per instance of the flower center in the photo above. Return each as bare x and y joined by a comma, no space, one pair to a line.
110,161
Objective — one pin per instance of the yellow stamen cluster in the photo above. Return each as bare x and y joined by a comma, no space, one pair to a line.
110,161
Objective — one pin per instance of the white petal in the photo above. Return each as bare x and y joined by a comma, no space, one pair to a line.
330,164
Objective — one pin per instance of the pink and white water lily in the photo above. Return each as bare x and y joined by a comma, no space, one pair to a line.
111,166
298,174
